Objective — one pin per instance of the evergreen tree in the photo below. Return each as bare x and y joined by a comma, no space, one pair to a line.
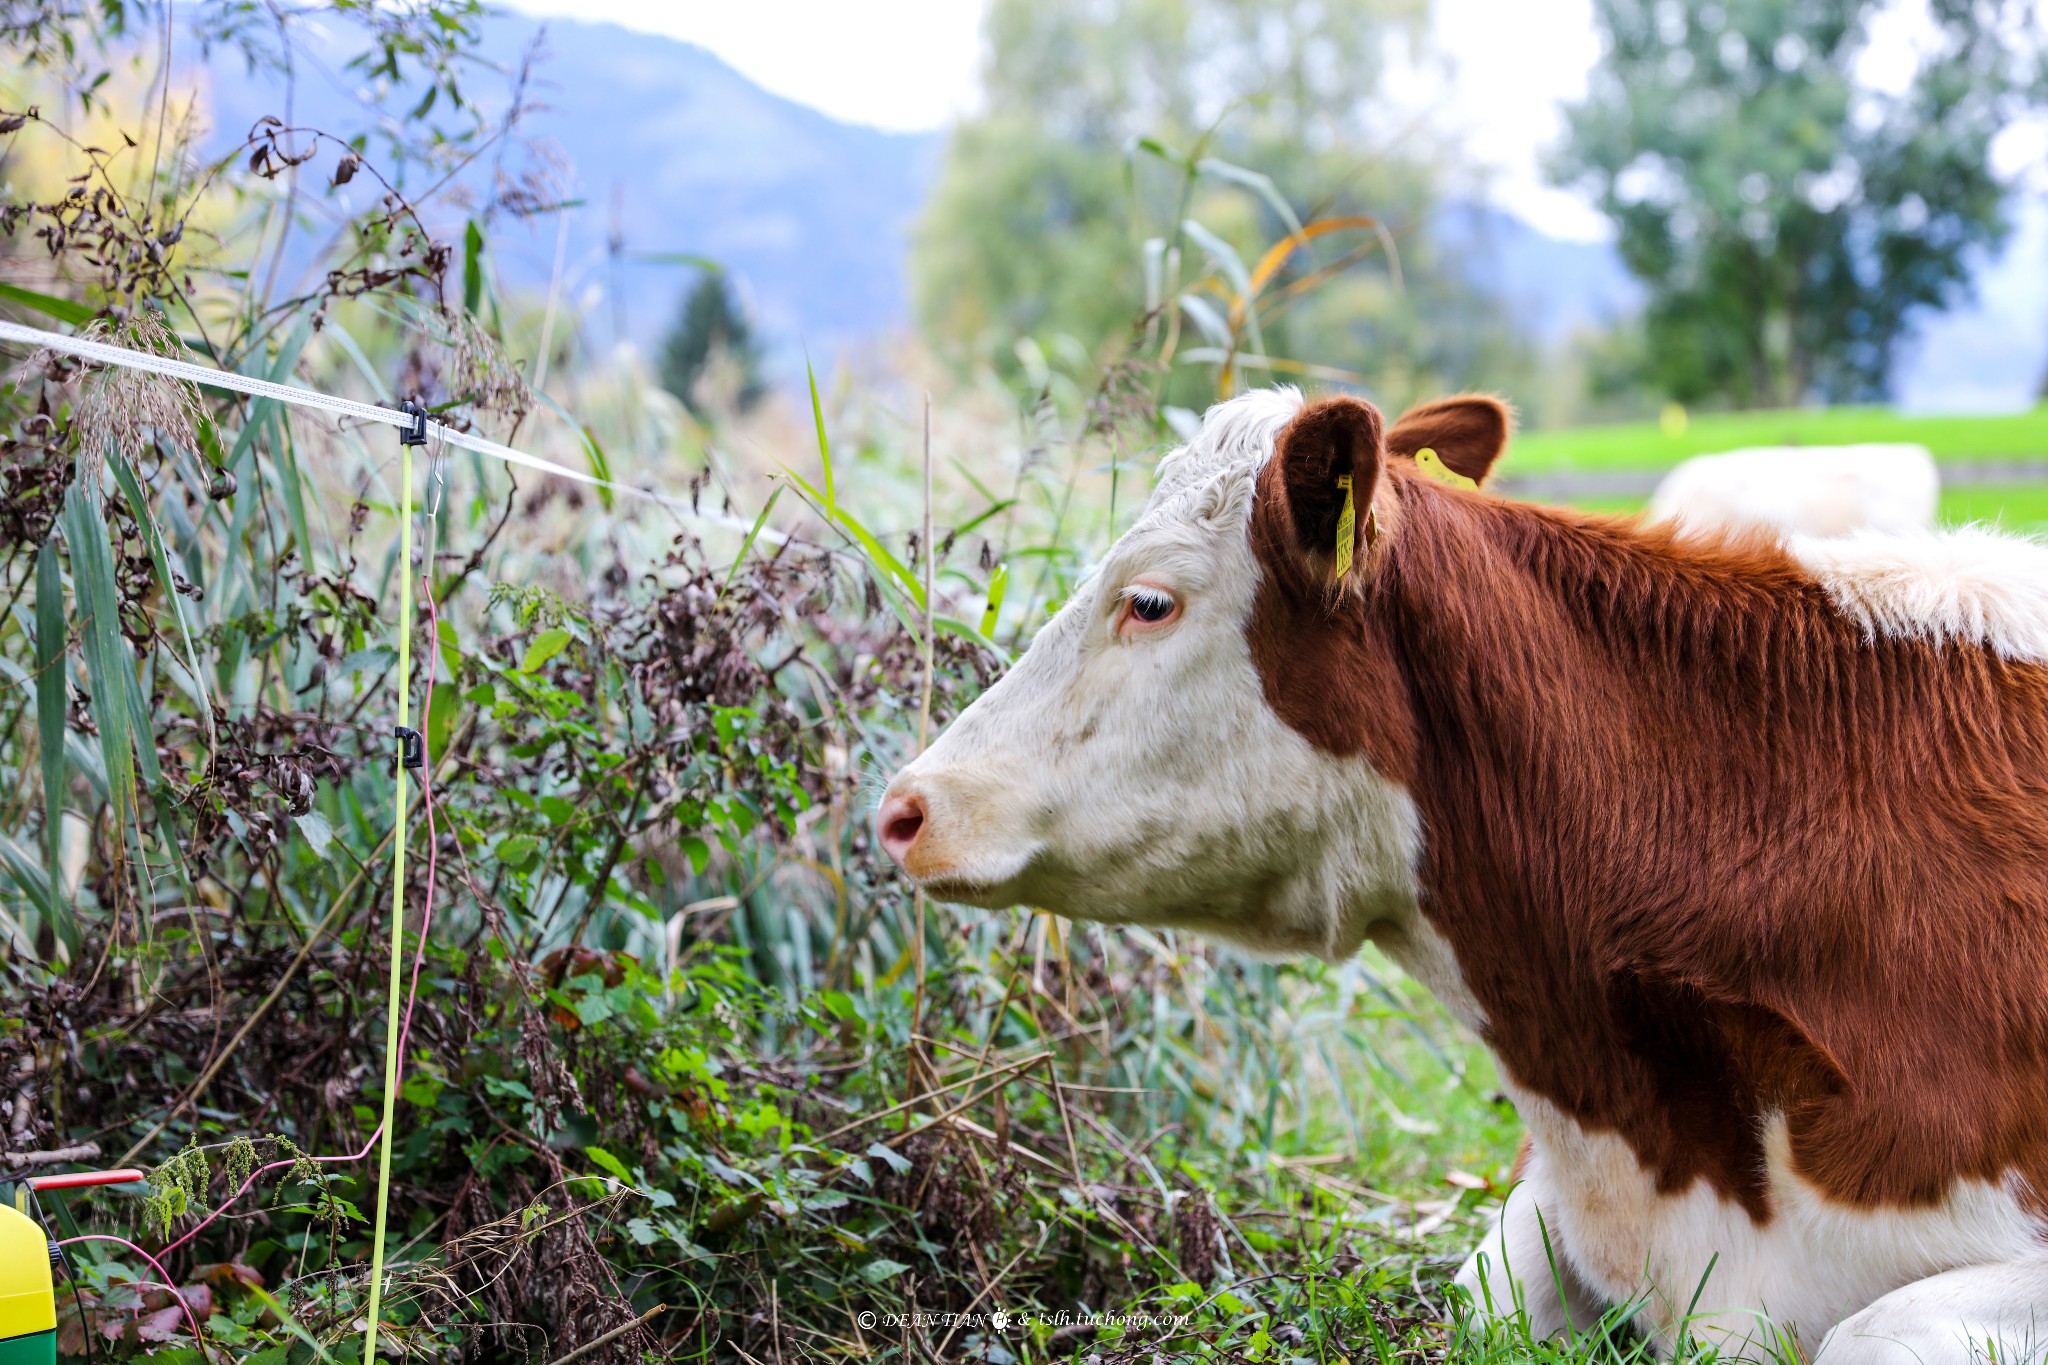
710,324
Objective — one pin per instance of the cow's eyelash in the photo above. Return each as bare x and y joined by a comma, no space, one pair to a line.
1143,606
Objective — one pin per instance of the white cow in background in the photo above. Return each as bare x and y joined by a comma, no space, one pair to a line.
1802,490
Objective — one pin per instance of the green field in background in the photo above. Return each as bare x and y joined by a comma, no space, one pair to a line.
1645,445
2010,507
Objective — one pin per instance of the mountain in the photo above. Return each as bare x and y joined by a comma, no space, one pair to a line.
809,215
1552,287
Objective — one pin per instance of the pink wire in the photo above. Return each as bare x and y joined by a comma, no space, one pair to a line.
412,992
164,1283
427,808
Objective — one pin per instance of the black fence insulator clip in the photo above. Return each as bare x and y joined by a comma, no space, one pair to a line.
416,434
414,753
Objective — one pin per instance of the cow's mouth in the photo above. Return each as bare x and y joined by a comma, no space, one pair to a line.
990,878
968,891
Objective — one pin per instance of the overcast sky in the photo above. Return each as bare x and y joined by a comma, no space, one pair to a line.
913,65
1507,67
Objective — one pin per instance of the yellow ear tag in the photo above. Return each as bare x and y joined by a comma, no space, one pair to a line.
1347,527
1432,464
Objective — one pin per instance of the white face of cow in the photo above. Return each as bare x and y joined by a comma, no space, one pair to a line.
1129,769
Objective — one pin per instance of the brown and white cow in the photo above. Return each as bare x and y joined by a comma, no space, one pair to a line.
1735,854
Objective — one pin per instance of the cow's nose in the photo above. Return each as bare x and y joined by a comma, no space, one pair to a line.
902,820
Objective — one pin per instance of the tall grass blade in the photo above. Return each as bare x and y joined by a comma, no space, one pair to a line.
1217,355
291,486
280,372
237,577
107,658
1259,184
34,881
142,726
824,446
340,335
1233,268
85,761
685,258
64,310
747,545
954,626
600,463
906,612
139,722
1206,318
1155,273
992,511
472,266
240,462
966,472
878,556
50,708
1278,254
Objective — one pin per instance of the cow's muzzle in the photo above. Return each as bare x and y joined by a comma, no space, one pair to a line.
948,834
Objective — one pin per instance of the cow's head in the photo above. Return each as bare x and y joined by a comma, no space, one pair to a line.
1142,763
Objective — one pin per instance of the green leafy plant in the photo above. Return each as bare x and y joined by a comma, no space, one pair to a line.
690,1071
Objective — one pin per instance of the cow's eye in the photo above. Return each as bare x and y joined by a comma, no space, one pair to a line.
1147,608
1151,606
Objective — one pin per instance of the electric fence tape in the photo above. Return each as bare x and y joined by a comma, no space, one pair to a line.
131,359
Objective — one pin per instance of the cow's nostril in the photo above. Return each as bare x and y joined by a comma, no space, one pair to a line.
902,818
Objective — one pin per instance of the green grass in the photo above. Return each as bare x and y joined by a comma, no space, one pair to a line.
1647,445
2010,507
2017,507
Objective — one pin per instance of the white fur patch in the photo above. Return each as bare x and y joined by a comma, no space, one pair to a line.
1237,434
1813,1264
1520,1265
1970,586
1804,490
1964,1317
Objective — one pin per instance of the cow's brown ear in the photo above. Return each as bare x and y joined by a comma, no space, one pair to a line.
1326,461
1468,432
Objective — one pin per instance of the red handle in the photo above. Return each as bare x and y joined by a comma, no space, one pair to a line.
77,1178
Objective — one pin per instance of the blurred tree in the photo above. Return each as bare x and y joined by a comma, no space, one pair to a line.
710,326
1038,225
1026,233
1789,219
